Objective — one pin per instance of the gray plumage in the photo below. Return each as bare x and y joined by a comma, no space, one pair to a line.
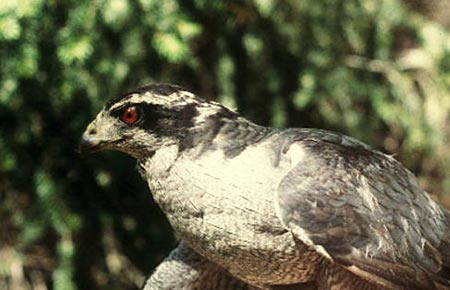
261,208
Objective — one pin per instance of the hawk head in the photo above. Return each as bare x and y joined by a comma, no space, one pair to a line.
147,119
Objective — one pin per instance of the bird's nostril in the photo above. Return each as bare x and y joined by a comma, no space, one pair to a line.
92,131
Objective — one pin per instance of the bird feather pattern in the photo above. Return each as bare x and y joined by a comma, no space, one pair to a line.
261,208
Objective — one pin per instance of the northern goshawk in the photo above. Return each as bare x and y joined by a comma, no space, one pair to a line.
262,208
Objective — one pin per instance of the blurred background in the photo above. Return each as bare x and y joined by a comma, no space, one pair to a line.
378,70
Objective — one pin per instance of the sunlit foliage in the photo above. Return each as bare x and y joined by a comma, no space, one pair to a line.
372,69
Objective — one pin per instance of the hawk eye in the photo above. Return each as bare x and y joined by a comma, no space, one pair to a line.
130,115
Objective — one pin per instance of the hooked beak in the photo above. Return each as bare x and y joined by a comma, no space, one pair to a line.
90,140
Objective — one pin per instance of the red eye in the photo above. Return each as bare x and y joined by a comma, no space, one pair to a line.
130,115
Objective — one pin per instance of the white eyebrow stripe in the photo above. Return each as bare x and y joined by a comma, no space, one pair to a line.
134,98
150,98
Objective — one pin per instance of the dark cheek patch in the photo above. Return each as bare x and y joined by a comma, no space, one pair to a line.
164,121
185,117
154,117
160,121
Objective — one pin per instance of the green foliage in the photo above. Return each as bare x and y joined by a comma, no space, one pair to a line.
372,69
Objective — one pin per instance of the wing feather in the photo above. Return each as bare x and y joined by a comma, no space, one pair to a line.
364,210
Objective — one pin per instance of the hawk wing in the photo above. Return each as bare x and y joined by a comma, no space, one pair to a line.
363,210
